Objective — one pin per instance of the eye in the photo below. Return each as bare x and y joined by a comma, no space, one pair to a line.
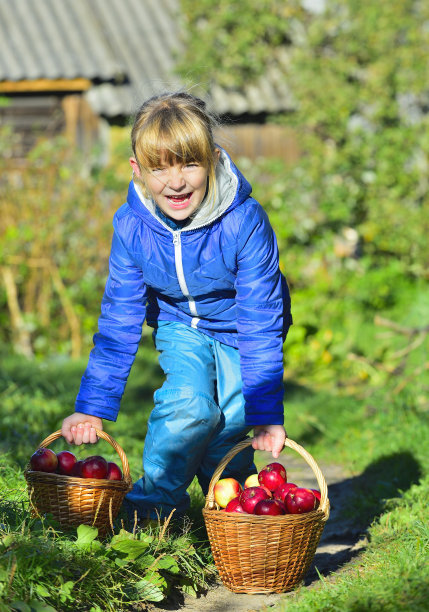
192,164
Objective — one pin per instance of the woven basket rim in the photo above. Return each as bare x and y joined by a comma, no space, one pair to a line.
73,481
237,517
63,479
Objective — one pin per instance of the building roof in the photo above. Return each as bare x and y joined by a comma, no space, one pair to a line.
125,48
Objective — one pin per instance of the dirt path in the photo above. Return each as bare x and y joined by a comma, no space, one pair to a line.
340,542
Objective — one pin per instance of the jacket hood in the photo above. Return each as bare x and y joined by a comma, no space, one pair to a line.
231,190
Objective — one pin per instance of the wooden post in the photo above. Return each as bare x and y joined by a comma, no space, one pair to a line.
21,338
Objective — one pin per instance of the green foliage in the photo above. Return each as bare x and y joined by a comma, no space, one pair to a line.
231,40
55,233
351,217
358,76
43,568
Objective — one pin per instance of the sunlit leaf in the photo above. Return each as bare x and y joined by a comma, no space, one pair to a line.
132,548
85,535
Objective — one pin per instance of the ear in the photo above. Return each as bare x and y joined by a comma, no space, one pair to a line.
216,156
135,166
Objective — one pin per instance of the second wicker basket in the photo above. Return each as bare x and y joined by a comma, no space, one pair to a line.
264,554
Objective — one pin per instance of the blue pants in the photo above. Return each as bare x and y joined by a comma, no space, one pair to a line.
198,417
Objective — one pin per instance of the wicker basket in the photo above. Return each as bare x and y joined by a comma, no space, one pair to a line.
73,500
264,554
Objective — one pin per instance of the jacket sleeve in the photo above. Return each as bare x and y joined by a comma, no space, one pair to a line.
123,310
263,318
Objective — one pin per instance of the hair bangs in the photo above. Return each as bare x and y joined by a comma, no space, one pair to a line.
168,142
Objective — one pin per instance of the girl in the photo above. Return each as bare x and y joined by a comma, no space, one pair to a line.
195,256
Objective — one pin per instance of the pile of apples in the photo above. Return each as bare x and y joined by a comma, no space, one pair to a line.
265,493
66,463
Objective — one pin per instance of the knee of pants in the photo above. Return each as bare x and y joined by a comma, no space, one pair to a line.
181,423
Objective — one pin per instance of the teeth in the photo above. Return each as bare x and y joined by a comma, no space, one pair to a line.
179,198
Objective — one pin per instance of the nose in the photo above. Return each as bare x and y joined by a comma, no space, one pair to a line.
175,178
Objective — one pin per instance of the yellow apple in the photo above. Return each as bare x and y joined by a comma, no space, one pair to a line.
251,481
225,490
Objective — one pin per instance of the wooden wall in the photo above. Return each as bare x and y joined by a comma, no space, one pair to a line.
31,116
44,115
259,140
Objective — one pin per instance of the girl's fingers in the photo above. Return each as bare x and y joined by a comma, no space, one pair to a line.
271,442
93,435
86,436
78,434
83,433
262,441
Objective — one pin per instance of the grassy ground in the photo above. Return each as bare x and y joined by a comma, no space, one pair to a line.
381,441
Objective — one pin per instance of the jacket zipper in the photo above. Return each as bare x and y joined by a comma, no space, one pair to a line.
181,278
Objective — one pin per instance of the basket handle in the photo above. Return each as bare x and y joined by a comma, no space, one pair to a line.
101,434
324,502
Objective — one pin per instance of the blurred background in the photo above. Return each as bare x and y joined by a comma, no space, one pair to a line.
324,106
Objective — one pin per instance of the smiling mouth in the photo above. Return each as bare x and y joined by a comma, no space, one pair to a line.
178,201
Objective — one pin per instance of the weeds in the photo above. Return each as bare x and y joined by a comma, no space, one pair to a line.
45,568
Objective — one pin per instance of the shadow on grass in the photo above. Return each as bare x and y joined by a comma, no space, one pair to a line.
355,503
385,478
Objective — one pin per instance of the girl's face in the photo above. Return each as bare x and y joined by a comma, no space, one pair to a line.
177,188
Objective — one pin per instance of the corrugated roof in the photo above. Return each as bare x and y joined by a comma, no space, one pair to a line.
126,47
53,39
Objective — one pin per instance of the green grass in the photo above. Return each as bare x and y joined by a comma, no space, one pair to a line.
45,568
380,440
42,566
393,572
382,445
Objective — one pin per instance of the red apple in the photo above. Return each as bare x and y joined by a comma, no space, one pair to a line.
66,461
235,506
94,467
277,467
44,460
251,496
77,469
270,507
113,471
226,489
318,496
272,476
282,504
300,500
281,491
251,481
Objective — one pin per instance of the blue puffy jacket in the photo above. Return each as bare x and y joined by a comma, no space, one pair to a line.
219,274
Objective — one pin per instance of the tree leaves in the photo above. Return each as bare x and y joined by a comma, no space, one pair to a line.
232,41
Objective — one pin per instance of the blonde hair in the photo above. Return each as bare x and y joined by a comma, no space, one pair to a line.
175,127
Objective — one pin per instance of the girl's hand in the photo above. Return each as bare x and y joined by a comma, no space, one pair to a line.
269,438
79,428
